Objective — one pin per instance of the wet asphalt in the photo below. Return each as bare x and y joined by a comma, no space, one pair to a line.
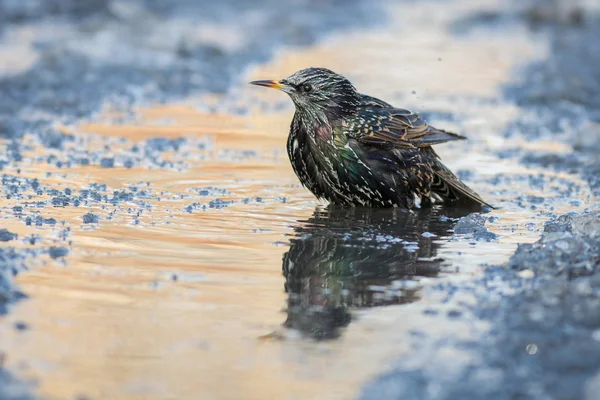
543,306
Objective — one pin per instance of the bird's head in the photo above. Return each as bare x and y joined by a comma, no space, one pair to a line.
318,90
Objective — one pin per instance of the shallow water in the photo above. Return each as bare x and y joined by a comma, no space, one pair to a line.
212,271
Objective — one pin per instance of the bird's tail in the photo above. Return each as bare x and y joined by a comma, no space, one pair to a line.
450,188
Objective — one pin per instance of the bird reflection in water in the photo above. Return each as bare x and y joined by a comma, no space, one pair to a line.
359,257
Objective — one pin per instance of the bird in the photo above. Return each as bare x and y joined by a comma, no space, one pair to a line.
356,150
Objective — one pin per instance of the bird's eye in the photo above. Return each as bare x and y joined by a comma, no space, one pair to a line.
306,88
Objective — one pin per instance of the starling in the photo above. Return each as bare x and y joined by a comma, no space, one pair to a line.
356,150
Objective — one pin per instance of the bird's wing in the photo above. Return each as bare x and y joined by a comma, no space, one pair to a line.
376,122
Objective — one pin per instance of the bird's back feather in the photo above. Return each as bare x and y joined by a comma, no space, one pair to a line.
386,125
377,122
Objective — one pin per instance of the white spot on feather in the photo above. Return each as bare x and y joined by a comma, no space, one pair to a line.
417,200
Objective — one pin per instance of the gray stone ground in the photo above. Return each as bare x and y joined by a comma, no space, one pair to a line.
543,306
543,341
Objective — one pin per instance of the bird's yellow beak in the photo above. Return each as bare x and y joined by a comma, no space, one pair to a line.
269,84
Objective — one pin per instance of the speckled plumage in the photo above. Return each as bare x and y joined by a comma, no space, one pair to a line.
356,150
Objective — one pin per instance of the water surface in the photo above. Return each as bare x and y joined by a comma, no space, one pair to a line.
209,272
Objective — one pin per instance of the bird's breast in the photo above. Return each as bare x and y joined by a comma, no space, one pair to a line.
322,132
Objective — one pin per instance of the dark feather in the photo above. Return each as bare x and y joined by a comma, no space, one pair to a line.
396,126
447,185
437,136
369,101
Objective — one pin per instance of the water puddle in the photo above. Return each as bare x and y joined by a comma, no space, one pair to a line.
196,263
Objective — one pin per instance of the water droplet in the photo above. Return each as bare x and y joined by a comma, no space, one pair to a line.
531,349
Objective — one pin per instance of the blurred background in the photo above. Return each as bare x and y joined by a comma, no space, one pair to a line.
156,244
